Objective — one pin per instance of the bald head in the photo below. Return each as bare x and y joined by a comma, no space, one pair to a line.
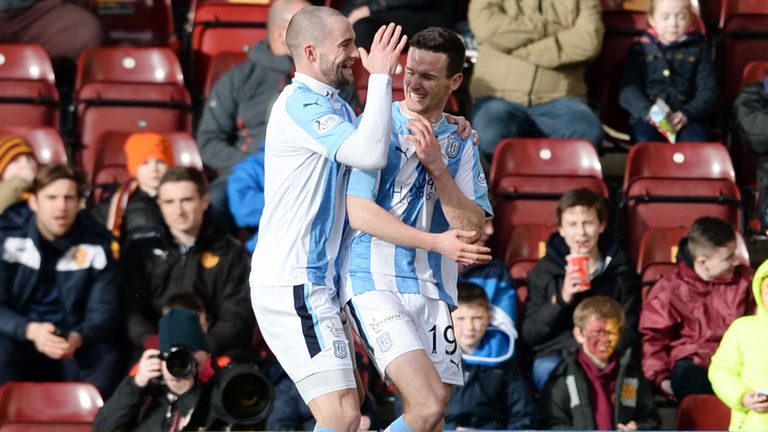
280,14
309,26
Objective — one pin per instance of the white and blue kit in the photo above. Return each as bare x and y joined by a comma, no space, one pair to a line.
293,269
400,296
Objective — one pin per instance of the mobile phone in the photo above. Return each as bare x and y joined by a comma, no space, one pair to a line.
761,393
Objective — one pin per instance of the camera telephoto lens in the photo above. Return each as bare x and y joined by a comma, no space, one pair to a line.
180,362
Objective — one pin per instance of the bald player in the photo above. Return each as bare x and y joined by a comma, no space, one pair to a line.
311,141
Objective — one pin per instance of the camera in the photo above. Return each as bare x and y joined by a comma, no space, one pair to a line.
179,361
242,395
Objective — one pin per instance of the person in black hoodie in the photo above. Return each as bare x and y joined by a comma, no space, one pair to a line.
555,288
193,254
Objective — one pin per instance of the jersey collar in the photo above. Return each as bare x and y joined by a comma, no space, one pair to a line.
317,86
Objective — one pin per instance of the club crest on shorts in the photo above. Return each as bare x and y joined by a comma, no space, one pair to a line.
340,349
384,341
452,147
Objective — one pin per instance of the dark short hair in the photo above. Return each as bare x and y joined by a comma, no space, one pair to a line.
600,307
707,234
185,300
58,171
582,197
180,174
442,41
470,293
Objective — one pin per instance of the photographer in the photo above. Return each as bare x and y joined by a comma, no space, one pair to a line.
161,396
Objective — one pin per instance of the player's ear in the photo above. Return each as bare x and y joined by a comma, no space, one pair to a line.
456,81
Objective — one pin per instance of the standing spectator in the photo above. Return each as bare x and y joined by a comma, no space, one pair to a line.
671,62
555,288
688,310
751,110
193,254
59,309
18,168
738,370
529,76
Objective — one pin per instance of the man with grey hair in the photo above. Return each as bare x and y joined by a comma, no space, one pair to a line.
311,141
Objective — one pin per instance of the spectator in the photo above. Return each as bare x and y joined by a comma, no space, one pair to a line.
556,288
245,192
598,388
529,76
59,310
18,168
738,370
751,108
192,254
671,62
148,156
234,121
688,310
494,395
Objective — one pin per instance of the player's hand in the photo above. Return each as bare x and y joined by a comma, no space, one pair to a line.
149,368
629,426
385,50
679,120
464,129
42,335
451,244
425,143
666,388
755,403
359,13
571,284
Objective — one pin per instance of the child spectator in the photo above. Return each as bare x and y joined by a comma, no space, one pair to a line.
555,288
494,395
18,168
672,63
688,310
751,111
598,388
739,368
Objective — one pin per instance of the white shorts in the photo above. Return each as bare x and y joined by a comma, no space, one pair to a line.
309,334
391,324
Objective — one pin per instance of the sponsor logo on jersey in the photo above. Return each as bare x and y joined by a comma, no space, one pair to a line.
326,122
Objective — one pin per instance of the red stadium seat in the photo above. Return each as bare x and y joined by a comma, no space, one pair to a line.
146,65
702,412
744,39
45,427
50,402
221,64
145,23
28,95
526,245
671,185
46,141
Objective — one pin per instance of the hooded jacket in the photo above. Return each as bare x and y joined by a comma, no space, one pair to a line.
234,122
215,268
739,365
680,73
565,402
523,54
685,316
751,111
548,323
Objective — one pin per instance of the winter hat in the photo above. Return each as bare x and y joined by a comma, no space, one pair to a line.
12,146
142,146
181,327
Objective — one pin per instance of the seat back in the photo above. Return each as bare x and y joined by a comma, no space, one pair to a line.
46,142
25,62
144,23
221,64
526,245
702,412
754,71
744,39
659,245
52,402
147,65
28,94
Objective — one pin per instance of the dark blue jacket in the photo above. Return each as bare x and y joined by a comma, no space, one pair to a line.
680,73
86,276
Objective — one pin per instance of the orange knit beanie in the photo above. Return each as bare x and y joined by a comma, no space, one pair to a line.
12,146
142,146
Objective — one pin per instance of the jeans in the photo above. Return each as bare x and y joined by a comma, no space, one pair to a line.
542,369
642,131
566,117
689,378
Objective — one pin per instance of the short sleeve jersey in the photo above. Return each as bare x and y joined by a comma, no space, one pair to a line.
405,190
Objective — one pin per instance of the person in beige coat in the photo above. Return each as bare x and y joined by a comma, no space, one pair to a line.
529,76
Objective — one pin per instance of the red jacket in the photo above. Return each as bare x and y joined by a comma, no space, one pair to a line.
685,316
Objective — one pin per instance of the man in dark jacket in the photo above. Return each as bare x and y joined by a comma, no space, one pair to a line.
195,255
751,110
235,118
555,288
59,309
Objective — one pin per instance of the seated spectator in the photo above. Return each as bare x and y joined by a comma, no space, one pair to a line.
671,63
739,371
59,309
529,77
494,395
598,387
18,168
245,190
148,157
556,285
193,254
751,112
687,311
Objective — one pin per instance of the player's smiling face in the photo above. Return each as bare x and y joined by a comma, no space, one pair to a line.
337,53
426,82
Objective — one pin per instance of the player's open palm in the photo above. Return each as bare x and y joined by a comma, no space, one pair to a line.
451,245
387,45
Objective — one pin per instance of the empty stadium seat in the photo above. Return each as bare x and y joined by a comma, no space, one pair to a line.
671,185
28,95
49,402
145,23
145,65
221,64
744,39
702,412
46,141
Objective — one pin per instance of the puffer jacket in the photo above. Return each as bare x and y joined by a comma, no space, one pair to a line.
739,365
685,316
522,57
